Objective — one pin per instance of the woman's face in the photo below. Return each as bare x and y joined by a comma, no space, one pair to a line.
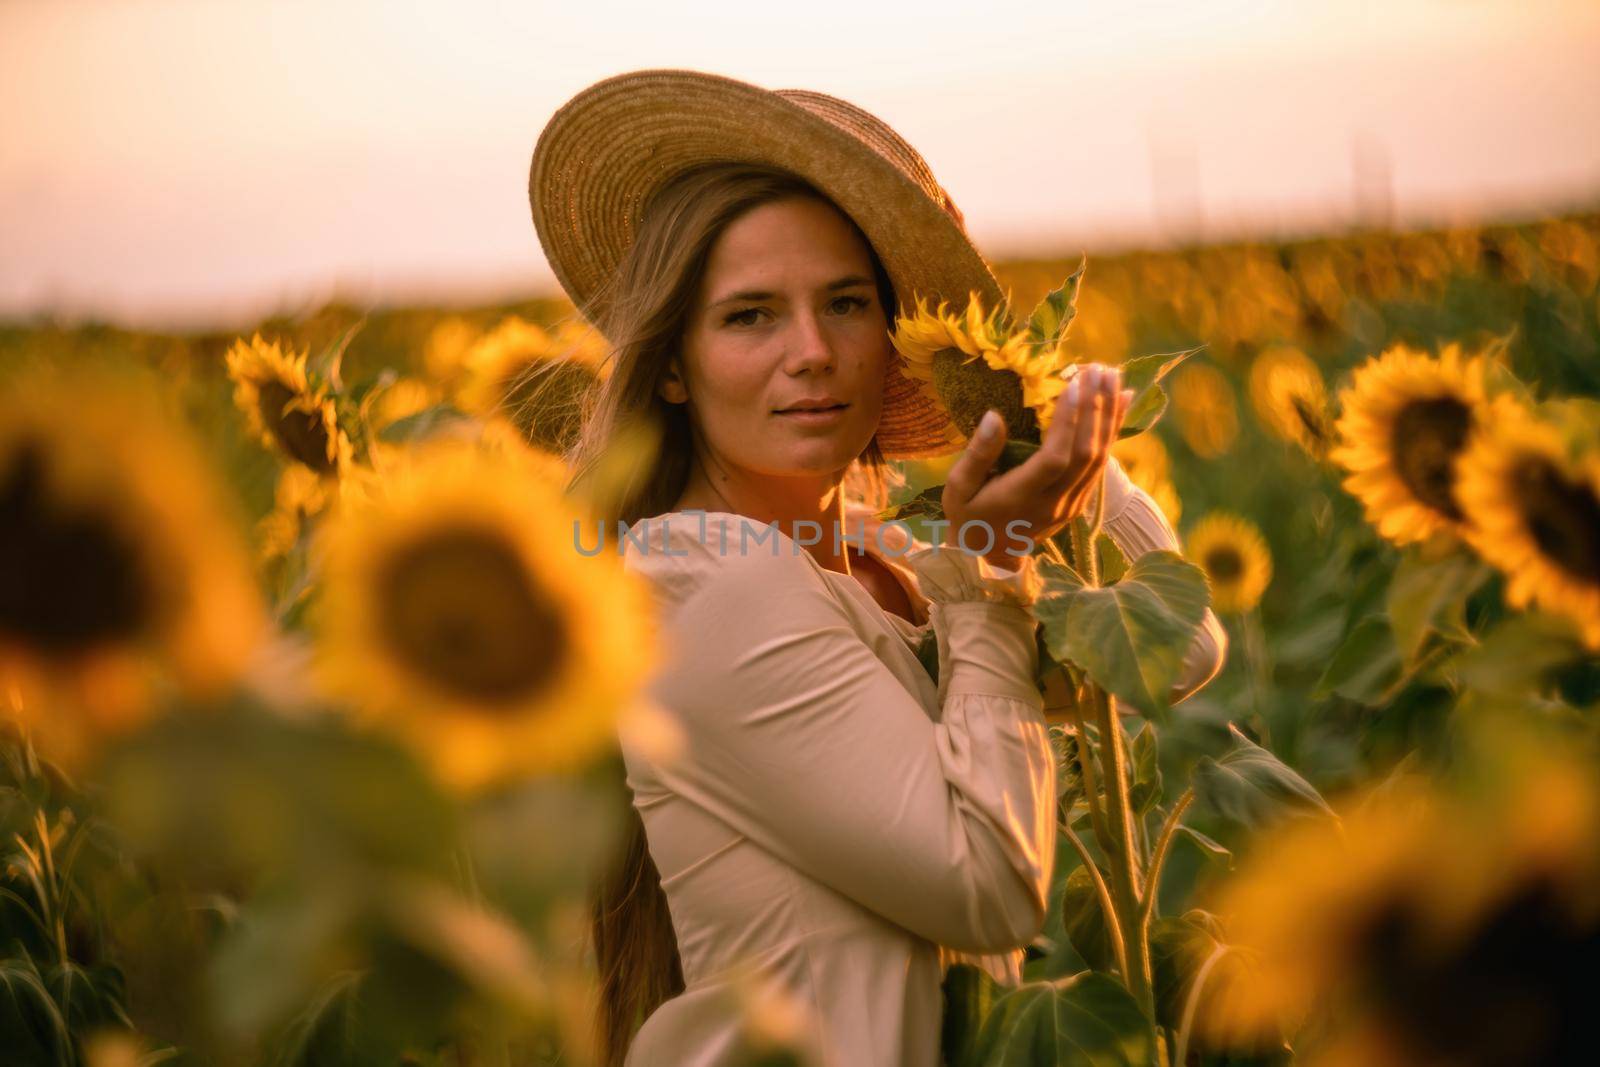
787,314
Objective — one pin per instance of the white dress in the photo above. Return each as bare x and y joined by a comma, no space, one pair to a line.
840,827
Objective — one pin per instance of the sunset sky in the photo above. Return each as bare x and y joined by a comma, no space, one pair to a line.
178,162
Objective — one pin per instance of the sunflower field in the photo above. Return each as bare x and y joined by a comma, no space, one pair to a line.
309,714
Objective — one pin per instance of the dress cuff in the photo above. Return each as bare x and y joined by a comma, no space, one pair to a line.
951,575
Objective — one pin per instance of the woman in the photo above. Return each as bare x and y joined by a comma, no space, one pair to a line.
840,822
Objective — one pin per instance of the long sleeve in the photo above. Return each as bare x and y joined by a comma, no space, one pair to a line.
803,740
1135,522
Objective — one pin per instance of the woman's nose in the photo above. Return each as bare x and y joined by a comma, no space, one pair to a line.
810,348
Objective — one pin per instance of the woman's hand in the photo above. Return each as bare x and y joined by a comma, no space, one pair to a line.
1052,487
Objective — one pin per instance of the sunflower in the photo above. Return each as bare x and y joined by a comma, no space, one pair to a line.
1202,404
1290,398
1530,489
1406,419
121,568
299,497
458,613
536,378
1235,557
954,357
284,410
445,351
1144,458
1423,928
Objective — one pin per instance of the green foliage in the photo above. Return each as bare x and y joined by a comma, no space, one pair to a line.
1131,636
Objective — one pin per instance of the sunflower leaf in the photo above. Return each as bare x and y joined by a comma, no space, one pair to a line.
1085,1018
323,368
1365,665
969,996
1252,787
1049,321
1129,637
1208,847
1430,596
1143,374
928,504
1146,792
421,424
1113,564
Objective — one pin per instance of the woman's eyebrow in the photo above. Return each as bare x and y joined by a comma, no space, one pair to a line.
849,281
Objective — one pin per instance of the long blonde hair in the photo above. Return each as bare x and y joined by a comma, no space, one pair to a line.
644,314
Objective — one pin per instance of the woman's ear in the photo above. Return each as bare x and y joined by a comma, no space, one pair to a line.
671,387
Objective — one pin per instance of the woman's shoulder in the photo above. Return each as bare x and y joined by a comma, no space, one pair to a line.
680,552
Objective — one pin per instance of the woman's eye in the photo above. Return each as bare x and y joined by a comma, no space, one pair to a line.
747,317
847,304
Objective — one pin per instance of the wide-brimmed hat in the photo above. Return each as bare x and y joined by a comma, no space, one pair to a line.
608,149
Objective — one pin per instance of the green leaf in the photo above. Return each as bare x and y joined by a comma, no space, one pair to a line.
1252,787
1146,791
1366,664
323,368
1430,596
1143,374
928,654
421,424
927,504
1087,1019
1113,564
1210,848
1049,321
1519,654
1083,922
969,996
1130,637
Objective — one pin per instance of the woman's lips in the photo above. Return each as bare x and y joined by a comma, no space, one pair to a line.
815,417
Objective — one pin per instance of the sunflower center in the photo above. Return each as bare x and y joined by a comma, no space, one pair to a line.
1563,518
1428,435
70,580
460,608
1507,991
969,387
1224,564
303,434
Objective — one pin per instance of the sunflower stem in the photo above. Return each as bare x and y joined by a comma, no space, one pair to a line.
1124,865
1102,892
1091,784
1158,859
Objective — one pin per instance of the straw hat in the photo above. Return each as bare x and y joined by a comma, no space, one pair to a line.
610,147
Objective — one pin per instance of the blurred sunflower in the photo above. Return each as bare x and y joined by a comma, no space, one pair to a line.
1202,404
121,566
398,400
943,351
1530,489
300,496
1405,420
445,351
288,414
1424,929
538,379
1144,458
1289,396
1235,557
458,613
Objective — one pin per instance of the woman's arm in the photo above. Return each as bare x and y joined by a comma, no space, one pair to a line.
802,739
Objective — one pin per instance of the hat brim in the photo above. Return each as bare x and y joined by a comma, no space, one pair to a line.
608,149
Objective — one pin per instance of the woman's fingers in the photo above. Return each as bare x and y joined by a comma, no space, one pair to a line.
1054,465
971,469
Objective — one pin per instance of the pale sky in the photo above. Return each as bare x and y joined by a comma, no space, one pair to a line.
186,162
